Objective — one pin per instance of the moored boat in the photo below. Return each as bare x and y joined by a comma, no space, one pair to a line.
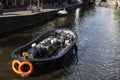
62,12
52,50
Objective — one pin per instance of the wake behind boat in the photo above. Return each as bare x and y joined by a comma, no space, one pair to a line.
51,49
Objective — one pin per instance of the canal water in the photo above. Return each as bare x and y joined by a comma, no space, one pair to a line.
98,31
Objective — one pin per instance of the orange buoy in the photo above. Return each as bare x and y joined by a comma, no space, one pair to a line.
15,64
26,68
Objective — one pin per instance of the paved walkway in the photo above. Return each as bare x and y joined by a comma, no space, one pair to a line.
24,11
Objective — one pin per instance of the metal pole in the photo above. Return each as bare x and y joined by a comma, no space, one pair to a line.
15,2
30,2
42,4
38,3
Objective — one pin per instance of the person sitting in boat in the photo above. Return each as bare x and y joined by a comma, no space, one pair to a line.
62,37
42,50
68,39
69,36
33,51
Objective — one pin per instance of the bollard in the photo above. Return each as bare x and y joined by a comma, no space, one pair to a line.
1,8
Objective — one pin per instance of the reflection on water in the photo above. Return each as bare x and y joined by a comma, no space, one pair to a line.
98,31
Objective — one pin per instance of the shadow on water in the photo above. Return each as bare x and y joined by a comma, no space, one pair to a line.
68,66
9,33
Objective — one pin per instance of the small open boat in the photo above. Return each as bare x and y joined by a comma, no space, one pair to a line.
62,12
54,49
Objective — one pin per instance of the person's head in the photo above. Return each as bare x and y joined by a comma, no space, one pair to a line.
33,45
68,34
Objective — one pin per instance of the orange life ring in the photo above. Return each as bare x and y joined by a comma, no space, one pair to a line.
29,68
16,62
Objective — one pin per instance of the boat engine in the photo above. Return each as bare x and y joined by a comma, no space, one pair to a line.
48,47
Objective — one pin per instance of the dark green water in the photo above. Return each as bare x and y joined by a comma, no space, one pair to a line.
98,31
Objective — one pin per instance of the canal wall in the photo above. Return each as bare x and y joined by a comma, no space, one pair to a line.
11,23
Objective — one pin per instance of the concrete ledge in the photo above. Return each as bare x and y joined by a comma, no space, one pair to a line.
10,23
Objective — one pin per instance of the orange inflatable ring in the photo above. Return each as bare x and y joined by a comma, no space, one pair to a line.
29,68
16,62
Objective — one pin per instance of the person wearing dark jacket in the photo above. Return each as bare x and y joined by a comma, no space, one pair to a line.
33,51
